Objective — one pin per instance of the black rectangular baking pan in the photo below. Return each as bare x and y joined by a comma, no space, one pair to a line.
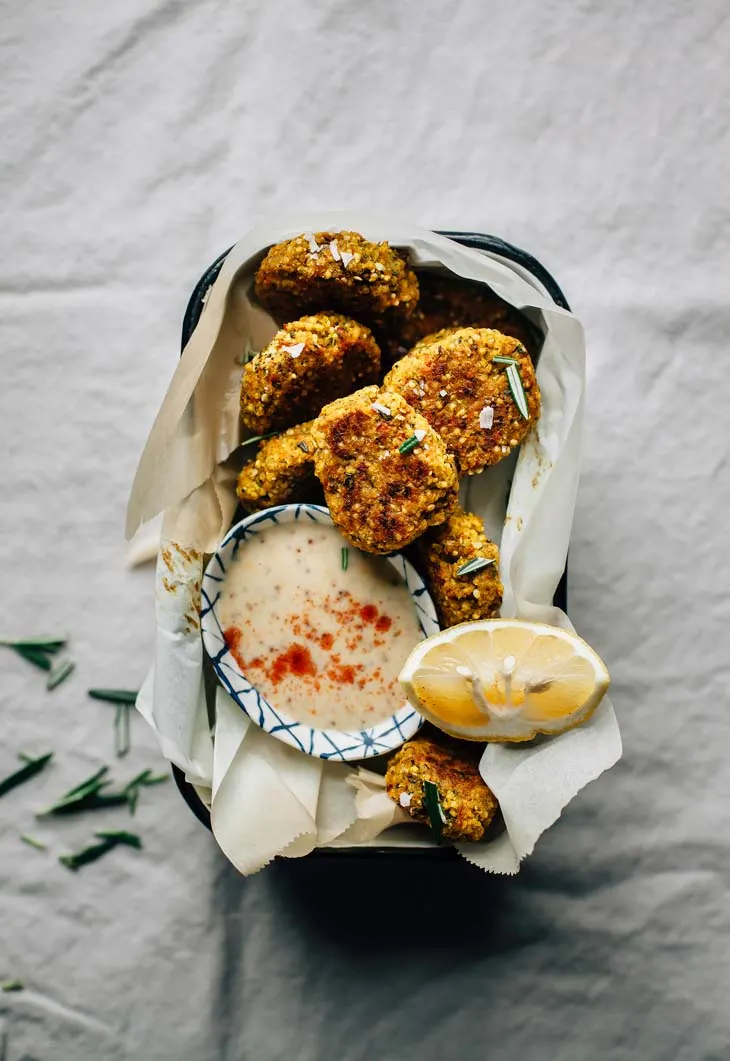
481,242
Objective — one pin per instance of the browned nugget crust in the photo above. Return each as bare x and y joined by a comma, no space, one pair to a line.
468,804
376,284
450,302
451,381
442,551
284,385
281,472
379,498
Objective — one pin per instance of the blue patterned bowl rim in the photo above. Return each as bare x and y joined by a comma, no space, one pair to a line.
333,744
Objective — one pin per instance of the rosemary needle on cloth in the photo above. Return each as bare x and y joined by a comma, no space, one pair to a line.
30,768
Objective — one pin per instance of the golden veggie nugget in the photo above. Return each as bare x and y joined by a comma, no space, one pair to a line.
307,364
281,472
342,270
463,586
386,474
449,302
467,803
477,389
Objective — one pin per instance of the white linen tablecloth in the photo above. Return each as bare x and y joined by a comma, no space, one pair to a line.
140,140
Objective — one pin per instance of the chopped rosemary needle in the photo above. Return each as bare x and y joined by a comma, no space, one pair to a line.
144,779
93,794
473,565
107,842
93,783
114,696
303,446
36,650
122,742
258,438
432,803
500,360
88,795
30,769
124,700
45,644
156,779
518,391
410,443
12,985
248,354
60,673
120,836
32,842
345,557
37,656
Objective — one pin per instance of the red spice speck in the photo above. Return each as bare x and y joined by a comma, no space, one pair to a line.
297,659
368,613
344,675
384,623
232,637
327,641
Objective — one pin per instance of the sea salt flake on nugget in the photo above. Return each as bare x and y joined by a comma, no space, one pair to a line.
380,495
486,417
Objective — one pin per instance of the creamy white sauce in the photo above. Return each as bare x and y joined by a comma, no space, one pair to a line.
323,644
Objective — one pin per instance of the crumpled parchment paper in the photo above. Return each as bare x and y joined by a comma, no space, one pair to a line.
267,799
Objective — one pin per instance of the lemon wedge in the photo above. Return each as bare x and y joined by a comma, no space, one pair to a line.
504,680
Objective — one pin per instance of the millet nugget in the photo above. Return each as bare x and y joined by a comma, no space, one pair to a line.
307,364
466,395
371,281
386,474
281,472
450,302
447,549
467,803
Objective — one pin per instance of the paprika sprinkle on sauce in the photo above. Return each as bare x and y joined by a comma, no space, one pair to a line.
323,644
